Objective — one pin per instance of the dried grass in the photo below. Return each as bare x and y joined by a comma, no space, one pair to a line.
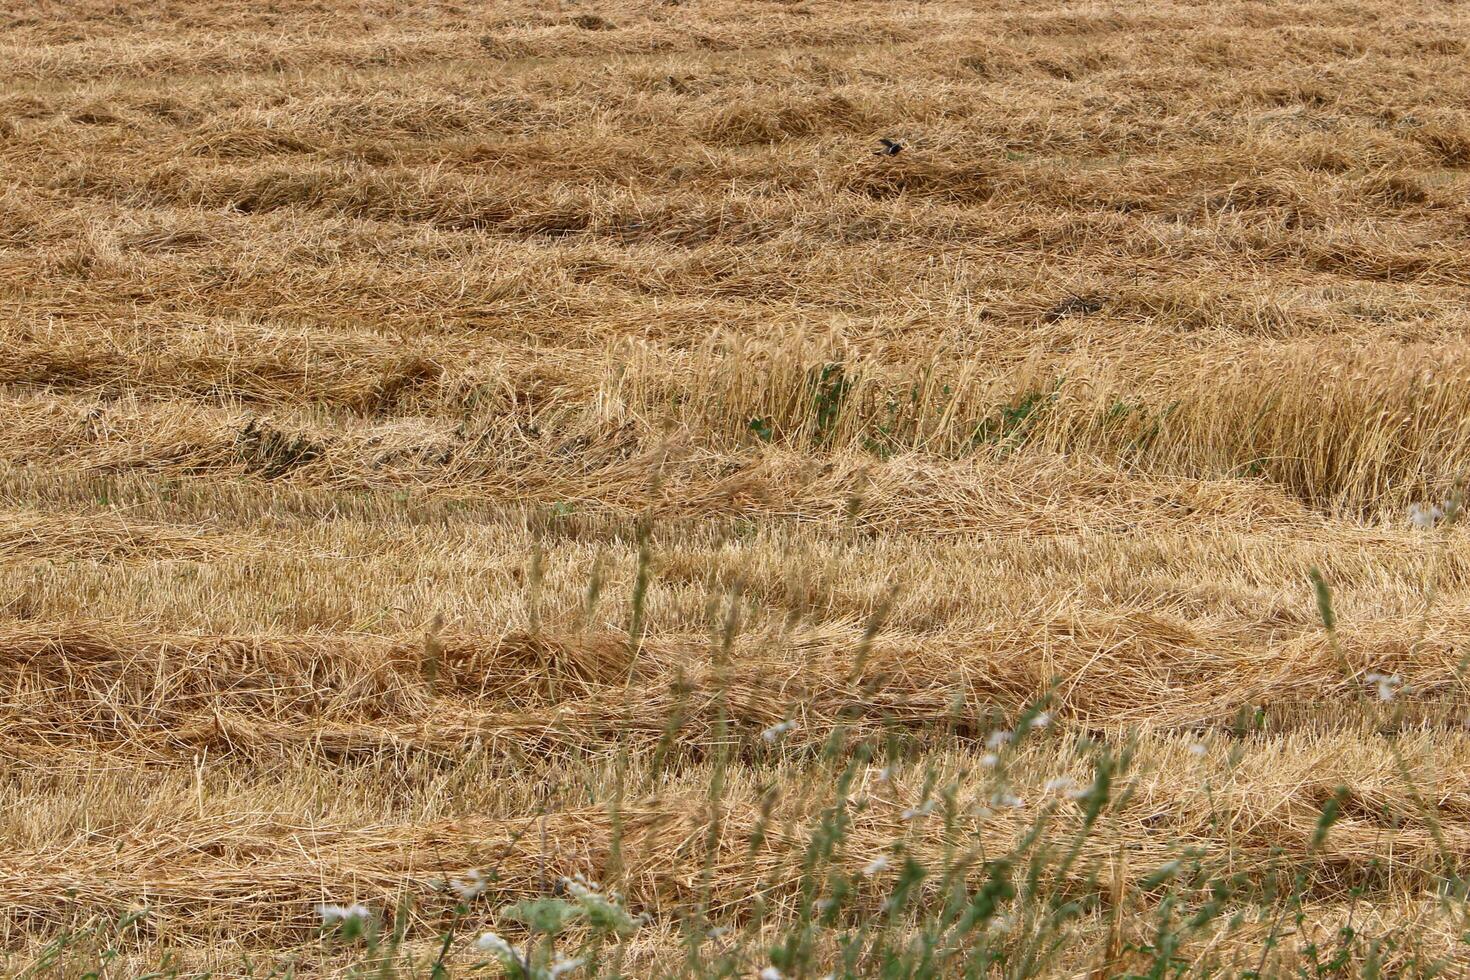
320,321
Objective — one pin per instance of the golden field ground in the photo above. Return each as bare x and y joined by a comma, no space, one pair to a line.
352,352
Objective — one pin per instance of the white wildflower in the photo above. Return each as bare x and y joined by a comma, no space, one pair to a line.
776,731
603,909
997,739
564,965
491,943
580,887
333,914
1388,684
1008,799
1425,515
1041,720
990,760
877,865
885,774
1197,749
718,932
922,810
472,886
1059,785
770,973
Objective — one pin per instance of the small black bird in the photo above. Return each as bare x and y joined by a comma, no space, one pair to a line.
891,148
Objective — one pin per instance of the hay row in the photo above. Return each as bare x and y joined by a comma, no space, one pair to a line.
578,693
267,868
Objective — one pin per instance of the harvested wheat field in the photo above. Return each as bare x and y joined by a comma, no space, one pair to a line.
457,452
